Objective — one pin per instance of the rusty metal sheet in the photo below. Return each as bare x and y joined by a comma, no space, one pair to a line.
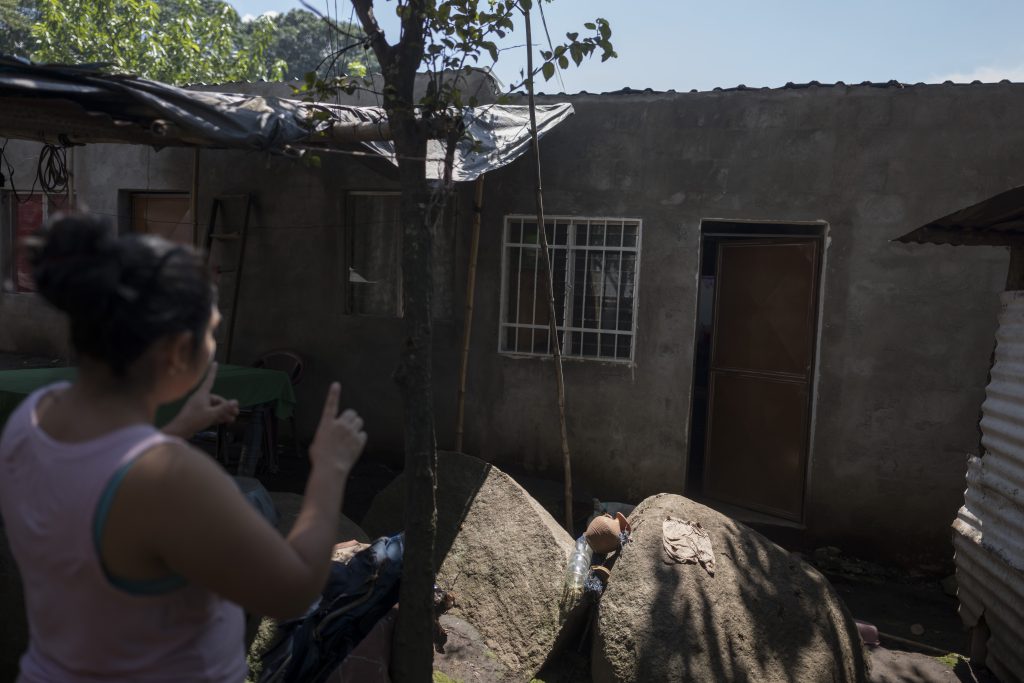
989,527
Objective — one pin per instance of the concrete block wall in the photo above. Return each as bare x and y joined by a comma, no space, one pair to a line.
906,330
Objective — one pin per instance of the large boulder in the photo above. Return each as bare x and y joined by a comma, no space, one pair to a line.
499,551
288,506
466,658
763,616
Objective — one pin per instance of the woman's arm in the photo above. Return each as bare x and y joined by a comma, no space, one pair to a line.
202,410
200,526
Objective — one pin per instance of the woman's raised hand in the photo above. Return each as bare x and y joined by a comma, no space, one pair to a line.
202,410
339,439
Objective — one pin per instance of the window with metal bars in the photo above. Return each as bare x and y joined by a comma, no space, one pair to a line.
594,265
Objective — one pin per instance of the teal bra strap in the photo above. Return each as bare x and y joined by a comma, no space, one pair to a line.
136,586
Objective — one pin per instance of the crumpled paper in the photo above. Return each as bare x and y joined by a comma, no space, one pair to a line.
687,543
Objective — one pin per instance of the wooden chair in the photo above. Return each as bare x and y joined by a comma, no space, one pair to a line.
292,364
264,440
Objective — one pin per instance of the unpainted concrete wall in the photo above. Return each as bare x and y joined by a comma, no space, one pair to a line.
27,323
294,279
907,331
294,285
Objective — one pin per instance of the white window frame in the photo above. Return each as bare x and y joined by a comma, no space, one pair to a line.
566,331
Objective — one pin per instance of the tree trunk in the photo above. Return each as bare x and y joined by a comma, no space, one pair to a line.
413,651
413,654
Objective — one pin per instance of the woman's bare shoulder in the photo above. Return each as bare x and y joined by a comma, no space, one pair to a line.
173,464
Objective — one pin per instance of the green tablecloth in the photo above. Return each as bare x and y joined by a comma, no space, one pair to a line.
249,386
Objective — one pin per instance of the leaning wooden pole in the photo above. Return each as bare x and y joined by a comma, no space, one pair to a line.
193,200
467,330
556,346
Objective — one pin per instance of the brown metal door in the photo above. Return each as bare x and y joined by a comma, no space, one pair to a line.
762,357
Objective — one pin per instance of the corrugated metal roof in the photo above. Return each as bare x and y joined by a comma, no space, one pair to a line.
627,90
899,85
997,221
989,527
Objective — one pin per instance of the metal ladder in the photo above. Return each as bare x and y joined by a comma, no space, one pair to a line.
230,263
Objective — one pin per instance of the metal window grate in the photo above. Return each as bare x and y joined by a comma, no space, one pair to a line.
595,263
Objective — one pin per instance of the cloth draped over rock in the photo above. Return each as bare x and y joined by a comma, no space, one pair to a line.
687,543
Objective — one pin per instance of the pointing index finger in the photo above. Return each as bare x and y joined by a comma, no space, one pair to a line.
331,402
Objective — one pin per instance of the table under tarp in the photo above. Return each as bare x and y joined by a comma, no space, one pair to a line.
248,386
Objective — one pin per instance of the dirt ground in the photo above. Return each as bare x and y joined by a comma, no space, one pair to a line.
894,666
900,610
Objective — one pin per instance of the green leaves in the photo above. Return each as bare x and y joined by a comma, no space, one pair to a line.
461,34
16,17
491,48
578,48
305,43
175,41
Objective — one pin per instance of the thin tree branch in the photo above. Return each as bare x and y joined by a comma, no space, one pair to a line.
334,26
374,34
334,56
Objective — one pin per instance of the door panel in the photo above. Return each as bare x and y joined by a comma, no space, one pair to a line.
762,359
756,450
765,307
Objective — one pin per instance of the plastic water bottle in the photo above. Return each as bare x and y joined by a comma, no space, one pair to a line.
576,574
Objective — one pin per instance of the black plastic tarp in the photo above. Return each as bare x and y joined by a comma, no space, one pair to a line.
85,104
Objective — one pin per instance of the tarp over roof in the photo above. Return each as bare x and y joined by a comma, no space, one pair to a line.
997,221
83,104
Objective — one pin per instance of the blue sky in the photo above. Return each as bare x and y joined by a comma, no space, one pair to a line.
682,45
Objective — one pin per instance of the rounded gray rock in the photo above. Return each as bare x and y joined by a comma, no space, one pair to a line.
764,616
499,551
288,506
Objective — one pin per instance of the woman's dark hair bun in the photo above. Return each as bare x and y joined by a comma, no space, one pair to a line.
74,261
121,293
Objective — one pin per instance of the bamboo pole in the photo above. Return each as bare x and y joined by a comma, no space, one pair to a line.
467,329
556,347
194,199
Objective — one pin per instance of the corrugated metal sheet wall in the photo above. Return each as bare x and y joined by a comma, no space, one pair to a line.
988,534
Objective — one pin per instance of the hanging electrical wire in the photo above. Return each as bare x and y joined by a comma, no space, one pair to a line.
5,164
52,169
5,160
551,46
